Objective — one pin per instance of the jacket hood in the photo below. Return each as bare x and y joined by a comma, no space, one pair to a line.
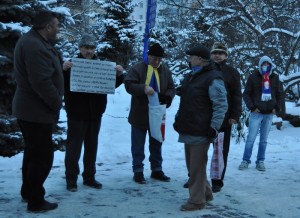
262,60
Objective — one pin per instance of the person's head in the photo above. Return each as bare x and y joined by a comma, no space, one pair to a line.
155,54
87,46
198,56
265,65
218,52
47,24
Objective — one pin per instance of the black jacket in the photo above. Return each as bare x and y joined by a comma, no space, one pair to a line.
85,106
232,82
195,110
253,92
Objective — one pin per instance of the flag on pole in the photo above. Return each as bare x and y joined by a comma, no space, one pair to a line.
150,23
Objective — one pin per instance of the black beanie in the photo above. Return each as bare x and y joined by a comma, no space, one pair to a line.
156,50
200,51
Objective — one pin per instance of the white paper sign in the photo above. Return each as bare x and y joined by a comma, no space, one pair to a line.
92,76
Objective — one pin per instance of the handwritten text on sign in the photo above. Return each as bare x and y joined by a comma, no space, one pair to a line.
93,76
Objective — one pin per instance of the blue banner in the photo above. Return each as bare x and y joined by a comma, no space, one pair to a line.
150,23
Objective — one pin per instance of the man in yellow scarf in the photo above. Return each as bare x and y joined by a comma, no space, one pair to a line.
144,81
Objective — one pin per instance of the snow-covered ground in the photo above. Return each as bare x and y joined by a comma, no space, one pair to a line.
249,193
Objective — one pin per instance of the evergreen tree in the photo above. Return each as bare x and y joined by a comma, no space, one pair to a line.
118,34
15,20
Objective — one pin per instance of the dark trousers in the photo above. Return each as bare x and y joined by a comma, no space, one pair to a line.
37,160
226,146
81,132
138,139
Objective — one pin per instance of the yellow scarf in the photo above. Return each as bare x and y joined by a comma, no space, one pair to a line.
150,78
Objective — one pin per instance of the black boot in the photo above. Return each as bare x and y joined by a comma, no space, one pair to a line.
139,178
92,183
45,206
159,175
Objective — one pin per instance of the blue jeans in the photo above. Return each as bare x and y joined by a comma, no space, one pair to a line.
138,139
262,123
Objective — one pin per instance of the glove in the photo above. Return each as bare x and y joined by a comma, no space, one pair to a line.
165,99
212,133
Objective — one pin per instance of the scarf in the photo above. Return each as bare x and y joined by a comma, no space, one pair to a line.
196,69
266,85
152,78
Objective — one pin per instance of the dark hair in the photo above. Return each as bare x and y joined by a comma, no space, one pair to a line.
44,17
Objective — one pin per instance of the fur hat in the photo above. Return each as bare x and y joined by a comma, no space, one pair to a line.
200,51
156,50
219,47
87,39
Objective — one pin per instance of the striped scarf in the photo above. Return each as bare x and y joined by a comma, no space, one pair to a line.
152,78
266,85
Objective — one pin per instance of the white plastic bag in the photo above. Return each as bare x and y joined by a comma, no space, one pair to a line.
157,116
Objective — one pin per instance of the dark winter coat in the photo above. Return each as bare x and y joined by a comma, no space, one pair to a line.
135,84
253,92
39,77
232,82
85,106
196,110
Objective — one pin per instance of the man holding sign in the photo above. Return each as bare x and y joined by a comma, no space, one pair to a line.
144,82
86,92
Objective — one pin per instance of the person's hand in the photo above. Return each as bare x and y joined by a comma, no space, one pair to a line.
149,90
232,121
67,65
165,99
212,133
119,70
255,110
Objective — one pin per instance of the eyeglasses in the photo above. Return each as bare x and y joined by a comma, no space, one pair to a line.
154,58
217,53
91,47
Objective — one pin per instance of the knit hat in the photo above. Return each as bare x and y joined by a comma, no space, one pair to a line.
156,50
87,39
200,51
219,47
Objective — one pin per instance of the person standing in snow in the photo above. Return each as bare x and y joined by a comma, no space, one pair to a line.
203,104
143,80
263,96
234,99
84,113
37,103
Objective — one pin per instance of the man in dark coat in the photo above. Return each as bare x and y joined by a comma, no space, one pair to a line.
36,104
201,112
263,97
139,85
234,98
84,112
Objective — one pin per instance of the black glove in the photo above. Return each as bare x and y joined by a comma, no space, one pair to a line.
212,133
165,99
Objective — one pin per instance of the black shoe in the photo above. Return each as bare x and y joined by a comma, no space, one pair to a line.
92,183
216,188
71,185
138,177
45,206
159,175
186,185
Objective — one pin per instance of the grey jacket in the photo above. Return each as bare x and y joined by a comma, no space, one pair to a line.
135,84
39,78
